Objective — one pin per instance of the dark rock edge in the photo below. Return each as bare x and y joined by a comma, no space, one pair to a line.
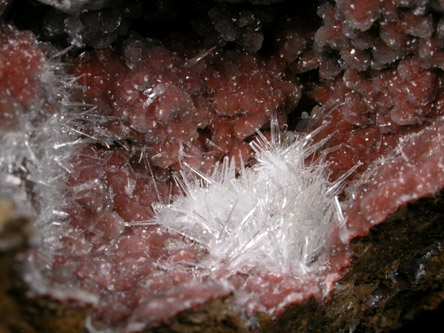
397,272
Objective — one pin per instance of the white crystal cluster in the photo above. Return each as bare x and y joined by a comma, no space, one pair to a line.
35,156
276,214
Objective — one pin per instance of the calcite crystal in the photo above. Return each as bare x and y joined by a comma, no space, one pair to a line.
235,165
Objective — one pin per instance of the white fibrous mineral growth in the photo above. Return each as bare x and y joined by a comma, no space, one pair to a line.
37,143
276,215
36,154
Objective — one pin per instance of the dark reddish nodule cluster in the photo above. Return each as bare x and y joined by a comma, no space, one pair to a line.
376,110
383,103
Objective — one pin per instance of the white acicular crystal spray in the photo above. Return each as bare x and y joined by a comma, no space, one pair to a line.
35,159
277,214
36,154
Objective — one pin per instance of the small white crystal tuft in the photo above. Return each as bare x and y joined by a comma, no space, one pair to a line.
277,214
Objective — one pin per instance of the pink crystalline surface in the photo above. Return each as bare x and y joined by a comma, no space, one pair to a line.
377,110
413,171
20,65
166,99
396,123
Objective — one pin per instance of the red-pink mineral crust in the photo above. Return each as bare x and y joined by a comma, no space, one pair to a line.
367,115
21,64
413,170
205,103
391,123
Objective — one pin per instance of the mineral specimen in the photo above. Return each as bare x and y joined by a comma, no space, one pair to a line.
162,183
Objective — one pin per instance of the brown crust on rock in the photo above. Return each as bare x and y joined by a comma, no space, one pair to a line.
21,313
216,316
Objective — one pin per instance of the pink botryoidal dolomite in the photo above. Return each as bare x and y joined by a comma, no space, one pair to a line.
202,103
